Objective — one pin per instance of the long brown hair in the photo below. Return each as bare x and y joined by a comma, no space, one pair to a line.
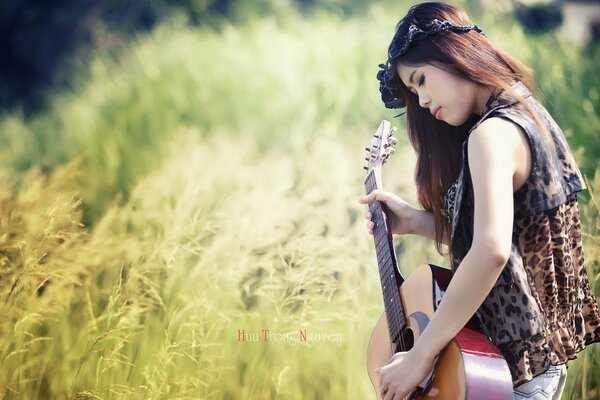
470,55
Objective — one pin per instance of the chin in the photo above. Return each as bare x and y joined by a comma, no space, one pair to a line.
453,122
456,121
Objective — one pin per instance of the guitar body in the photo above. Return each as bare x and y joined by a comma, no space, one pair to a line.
470,367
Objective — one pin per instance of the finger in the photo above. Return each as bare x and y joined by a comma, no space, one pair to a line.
365,199
375,194
368,215
398,396
382,392
398,355
390,394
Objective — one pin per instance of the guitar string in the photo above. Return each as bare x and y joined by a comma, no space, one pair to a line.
395,321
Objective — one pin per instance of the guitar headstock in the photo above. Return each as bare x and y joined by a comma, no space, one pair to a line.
381,146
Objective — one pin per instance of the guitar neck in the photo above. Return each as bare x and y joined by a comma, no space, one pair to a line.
386,260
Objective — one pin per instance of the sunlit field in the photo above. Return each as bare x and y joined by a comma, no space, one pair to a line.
183,223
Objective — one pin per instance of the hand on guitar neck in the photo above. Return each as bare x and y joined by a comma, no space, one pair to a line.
404,219
400,217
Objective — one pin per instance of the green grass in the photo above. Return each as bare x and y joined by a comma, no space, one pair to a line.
203,183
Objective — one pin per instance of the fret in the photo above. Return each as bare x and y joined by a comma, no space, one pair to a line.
382,254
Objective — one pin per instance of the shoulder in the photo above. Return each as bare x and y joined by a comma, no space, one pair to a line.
496,131
499,148
499,138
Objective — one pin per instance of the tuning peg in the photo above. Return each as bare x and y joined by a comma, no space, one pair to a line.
366,168
391,151
394,129
392,141
368,149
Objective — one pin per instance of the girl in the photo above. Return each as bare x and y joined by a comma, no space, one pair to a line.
497,183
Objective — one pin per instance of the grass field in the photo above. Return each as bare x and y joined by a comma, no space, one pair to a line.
199,189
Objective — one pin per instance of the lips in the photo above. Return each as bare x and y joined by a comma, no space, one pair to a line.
436,112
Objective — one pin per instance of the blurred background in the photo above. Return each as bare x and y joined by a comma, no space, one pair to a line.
179,184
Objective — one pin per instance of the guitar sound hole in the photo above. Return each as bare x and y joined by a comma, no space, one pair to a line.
407,340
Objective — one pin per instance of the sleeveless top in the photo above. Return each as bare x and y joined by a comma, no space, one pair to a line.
541,311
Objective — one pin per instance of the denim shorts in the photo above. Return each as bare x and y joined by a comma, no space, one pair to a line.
548,385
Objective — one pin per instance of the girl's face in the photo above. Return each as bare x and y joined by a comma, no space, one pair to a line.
448,97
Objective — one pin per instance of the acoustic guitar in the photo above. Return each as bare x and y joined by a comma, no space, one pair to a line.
470,366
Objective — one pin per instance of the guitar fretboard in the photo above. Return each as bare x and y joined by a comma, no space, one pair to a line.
386,260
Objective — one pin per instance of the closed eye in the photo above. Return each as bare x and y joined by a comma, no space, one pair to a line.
420,83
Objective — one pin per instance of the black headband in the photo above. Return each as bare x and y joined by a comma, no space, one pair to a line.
399,46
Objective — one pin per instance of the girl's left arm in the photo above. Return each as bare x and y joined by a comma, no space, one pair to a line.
494,149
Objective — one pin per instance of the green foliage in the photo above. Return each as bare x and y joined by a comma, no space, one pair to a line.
279,86
204,183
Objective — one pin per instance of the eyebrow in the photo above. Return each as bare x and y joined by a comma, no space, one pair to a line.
410,78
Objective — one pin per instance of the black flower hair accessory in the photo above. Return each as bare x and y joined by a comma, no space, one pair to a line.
389,85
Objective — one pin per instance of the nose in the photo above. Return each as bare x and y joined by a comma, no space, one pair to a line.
424,100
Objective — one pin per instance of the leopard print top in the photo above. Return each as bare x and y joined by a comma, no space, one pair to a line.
449,200
541,311
551,246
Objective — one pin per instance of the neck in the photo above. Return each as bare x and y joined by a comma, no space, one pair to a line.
483,97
